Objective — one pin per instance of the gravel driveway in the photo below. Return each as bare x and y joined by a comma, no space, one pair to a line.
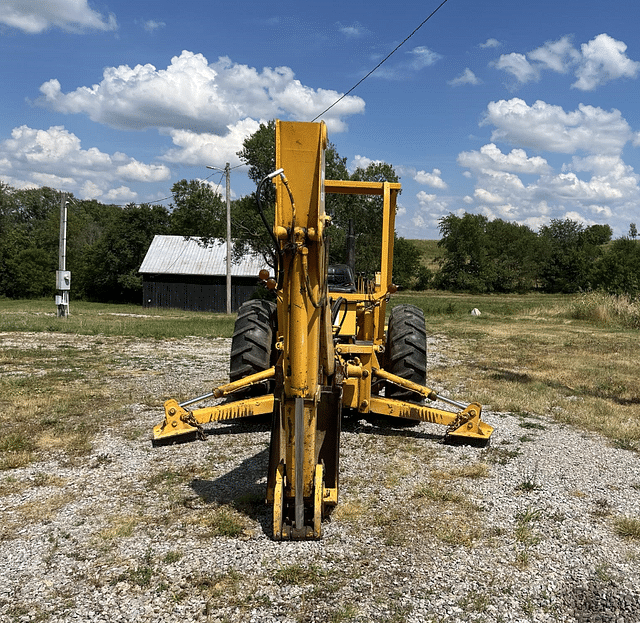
524,530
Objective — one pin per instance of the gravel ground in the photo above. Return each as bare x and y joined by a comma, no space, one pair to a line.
524,530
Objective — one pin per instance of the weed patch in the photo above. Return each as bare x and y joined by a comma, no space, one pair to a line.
628,527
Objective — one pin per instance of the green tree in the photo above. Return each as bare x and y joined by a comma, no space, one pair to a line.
513,252
113,274
487,256
408,273
88,222
465,262
618,270
197,210
598,234
366,213
633,231
569,252
29,228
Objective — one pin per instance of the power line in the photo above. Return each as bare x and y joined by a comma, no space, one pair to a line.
387,57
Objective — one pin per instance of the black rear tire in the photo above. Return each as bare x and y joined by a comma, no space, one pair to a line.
406,350
252,345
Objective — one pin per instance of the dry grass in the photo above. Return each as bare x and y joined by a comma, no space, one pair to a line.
607,309
47,393
545,361
628,527
121,526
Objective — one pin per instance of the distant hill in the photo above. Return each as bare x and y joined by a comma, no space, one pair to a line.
430,252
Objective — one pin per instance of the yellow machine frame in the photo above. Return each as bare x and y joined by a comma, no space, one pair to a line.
321,368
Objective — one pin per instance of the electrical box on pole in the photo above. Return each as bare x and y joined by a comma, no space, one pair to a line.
63,276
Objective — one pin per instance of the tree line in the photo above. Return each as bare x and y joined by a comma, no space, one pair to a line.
107,243
565,256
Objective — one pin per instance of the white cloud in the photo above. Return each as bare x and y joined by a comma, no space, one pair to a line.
593,182
557,56
423,57
356,30
597,62
425,217
466,77
418,58
604,59
36,16
55,158
425,198
139,172
432,179
151,24
361,162
491,43
193,95
490,158
205,148
484,196
517,65
546,127
120,195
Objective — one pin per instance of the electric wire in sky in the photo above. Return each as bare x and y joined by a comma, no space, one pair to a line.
387,57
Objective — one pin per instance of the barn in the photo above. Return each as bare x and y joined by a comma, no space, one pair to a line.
183,273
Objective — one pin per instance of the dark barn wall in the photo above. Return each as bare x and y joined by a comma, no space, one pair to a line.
195,293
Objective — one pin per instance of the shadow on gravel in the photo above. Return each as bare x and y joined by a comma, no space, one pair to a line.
388,427
601,601
243,487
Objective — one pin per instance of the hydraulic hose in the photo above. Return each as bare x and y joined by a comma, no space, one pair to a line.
278,254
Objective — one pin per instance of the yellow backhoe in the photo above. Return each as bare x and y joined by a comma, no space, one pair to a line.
316,351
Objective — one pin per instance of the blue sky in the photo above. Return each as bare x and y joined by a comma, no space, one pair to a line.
520,111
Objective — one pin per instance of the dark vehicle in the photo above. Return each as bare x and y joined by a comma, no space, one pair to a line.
340,279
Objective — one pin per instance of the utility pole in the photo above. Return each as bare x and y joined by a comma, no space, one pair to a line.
63,276
227,172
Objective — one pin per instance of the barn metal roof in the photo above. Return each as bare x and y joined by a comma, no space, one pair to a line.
176,255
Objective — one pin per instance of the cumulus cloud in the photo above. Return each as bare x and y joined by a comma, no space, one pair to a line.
517,65
426,198
557,56
466,77
432,179
484,196
548,127
194,148
423,57
193,95
425,217
593,180
36,16
491,43
490,158
361,162
604,59
55,158
597,62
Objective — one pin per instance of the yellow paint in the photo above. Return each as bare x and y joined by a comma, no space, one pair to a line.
318,360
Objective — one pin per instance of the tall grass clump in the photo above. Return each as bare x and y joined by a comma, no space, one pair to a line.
607,309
